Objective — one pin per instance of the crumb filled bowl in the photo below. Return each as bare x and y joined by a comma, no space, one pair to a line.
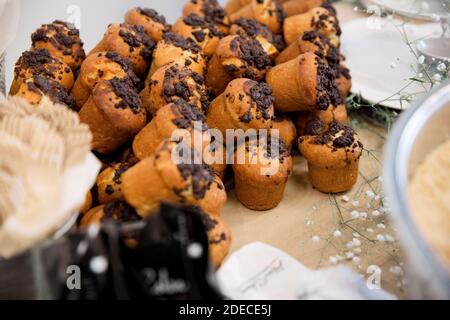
417,190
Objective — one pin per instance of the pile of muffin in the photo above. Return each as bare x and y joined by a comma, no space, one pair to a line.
255,64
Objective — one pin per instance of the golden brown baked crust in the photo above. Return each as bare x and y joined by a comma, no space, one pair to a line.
267,12
206,34
321,19
236,57
62,40
303,84
159,178
33,89
171,83
109,183
174,116
129,41
286,128
40,62
255,189
209,9
245,104
174,48
114,114
333,156
234,5
154,24
294,7
98,67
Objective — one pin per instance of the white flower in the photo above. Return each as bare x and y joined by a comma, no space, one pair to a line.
437,77
376,213
349,255
370,194
381,226
355,214
441,67
337,234
333,260
421,59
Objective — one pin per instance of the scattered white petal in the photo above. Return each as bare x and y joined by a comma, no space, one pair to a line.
345,198
355,214
381,238
350,244
349,255
357,251
376,213
316,239
363,215
356,235
370,230
355,203
389,238
337,234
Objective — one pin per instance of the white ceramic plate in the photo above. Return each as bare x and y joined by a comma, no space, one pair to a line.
431,10
380,60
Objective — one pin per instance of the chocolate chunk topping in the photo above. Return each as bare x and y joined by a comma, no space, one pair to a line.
206,219
136,37
213,11
120,211
327,91
261,95
251,51
176,86
340,136
154,15
314,127
39,61
123,167
127,93
126,65
202,24
52,89
202,177
62,36
181,42
188,115
252,28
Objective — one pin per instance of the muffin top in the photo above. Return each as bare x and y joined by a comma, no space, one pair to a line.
39,61
179,41
261,101
137,39
63,36
126,94
202,27
155,16
252,28
187,115
212,11
120,211
52,89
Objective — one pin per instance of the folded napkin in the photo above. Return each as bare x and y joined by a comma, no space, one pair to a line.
261,272
46,170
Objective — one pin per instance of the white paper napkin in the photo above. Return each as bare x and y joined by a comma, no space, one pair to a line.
261,272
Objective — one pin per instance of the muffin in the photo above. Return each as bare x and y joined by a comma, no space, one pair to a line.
286,129
109,183
333,157
117,211
261,170
211,10
154,24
